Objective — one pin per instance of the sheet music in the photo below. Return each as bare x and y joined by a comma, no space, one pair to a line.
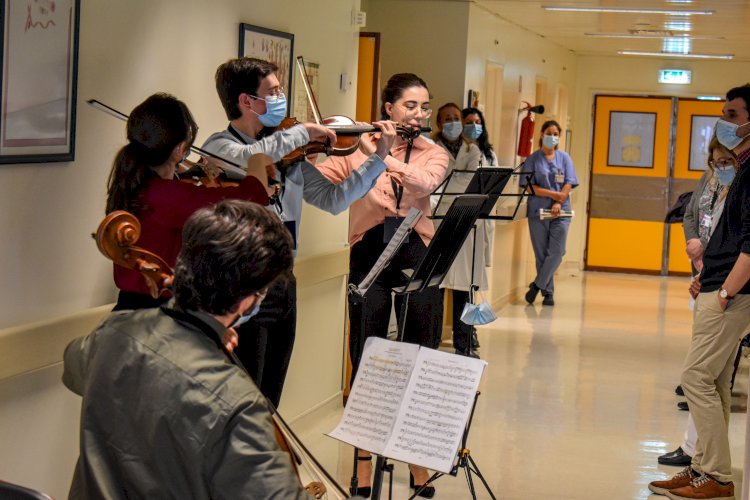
376,395
435,409
547,214
390,250
410,403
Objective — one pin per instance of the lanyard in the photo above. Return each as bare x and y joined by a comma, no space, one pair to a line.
398,191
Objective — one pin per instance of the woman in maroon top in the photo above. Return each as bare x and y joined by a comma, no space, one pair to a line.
160,132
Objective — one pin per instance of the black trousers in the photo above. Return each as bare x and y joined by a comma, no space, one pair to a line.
370,317
266,341
461,331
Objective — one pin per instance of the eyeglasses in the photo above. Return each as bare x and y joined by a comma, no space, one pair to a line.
414,109
272,98
724,163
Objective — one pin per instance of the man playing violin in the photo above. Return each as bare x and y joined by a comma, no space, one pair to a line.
255,104
165,414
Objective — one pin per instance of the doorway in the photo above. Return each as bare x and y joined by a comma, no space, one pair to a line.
646,152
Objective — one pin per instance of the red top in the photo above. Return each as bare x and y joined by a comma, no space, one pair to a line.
167,205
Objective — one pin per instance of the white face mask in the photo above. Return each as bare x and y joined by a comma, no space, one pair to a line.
726,133
452,130
550,141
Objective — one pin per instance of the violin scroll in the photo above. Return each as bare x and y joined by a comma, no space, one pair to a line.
116,238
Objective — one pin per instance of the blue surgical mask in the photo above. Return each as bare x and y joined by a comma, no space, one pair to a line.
472,131
550,141
275,111
725,176
478,314
241,320
726,133
452,130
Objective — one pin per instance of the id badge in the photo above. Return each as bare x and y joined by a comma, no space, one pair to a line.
706,220
389,228
559,177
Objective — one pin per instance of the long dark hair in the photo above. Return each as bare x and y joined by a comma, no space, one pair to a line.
483,141
395,88
155,127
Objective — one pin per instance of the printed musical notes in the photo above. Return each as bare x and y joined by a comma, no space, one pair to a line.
410,403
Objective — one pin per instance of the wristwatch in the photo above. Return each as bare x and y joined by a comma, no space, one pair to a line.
724,294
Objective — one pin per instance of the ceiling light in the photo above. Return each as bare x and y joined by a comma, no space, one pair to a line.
678,25
667,54
676,45
617,10
654,35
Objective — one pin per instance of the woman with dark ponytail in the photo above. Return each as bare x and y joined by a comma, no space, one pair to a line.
160,132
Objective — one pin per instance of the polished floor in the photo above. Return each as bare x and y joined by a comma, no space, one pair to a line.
577,400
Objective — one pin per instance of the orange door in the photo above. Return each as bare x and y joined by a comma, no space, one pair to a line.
637,176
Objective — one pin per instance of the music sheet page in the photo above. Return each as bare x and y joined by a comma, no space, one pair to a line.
435,409
376,395
410,403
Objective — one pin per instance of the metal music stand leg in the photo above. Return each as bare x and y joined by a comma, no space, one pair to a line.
382,466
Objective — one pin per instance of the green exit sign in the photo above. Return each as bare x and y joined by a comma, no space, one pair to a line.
678,76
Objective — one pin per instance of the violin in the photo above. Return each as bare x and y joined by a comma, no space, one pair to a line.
116,237
347,131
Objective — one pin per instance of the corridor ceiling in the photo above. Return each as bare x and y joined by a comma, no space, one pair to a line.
723,32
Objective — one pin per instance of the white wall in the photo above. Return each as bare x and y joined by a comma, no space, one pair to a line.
632,75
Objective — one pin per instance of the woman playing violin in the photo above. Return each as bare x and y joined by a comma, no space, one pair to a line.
160,132
373,219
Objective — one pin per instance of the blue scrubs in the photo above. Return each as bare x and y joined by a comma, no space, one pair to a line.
548,236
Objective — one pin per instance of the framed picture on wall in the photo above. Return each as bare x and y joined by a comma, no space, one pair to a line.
39,61
270,45
701,132
631,139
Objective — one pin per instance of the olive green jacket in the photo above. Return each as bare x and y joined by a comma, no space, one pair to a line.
166,415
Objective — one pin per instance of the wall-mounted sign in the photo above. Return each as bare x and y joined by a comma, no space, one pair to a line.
675,76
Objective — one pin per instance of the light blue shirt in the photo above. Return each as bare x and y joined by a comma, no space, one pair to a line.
303,181
543,173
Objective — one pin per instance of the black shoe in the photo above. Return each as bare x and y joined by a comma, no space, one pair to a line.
531,294
682,405
677,457
548,300
363,491
470,353
474,339
426,492
678,390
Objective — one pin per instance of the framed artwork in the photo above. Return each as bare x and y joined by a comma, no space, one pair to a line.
270,45
631,139
39,61
701,132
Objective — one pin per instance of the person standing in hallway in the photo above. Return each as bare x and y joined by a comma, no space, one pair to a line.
552,175
255,104
462,155
701,215
414,170
720,319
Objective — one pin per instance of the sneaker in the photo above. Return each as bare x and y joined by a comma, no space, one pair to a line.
682,478
704,487
532,293
548,300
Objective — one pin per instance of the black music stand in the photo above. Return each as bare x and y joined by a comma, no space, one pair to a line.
437,260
